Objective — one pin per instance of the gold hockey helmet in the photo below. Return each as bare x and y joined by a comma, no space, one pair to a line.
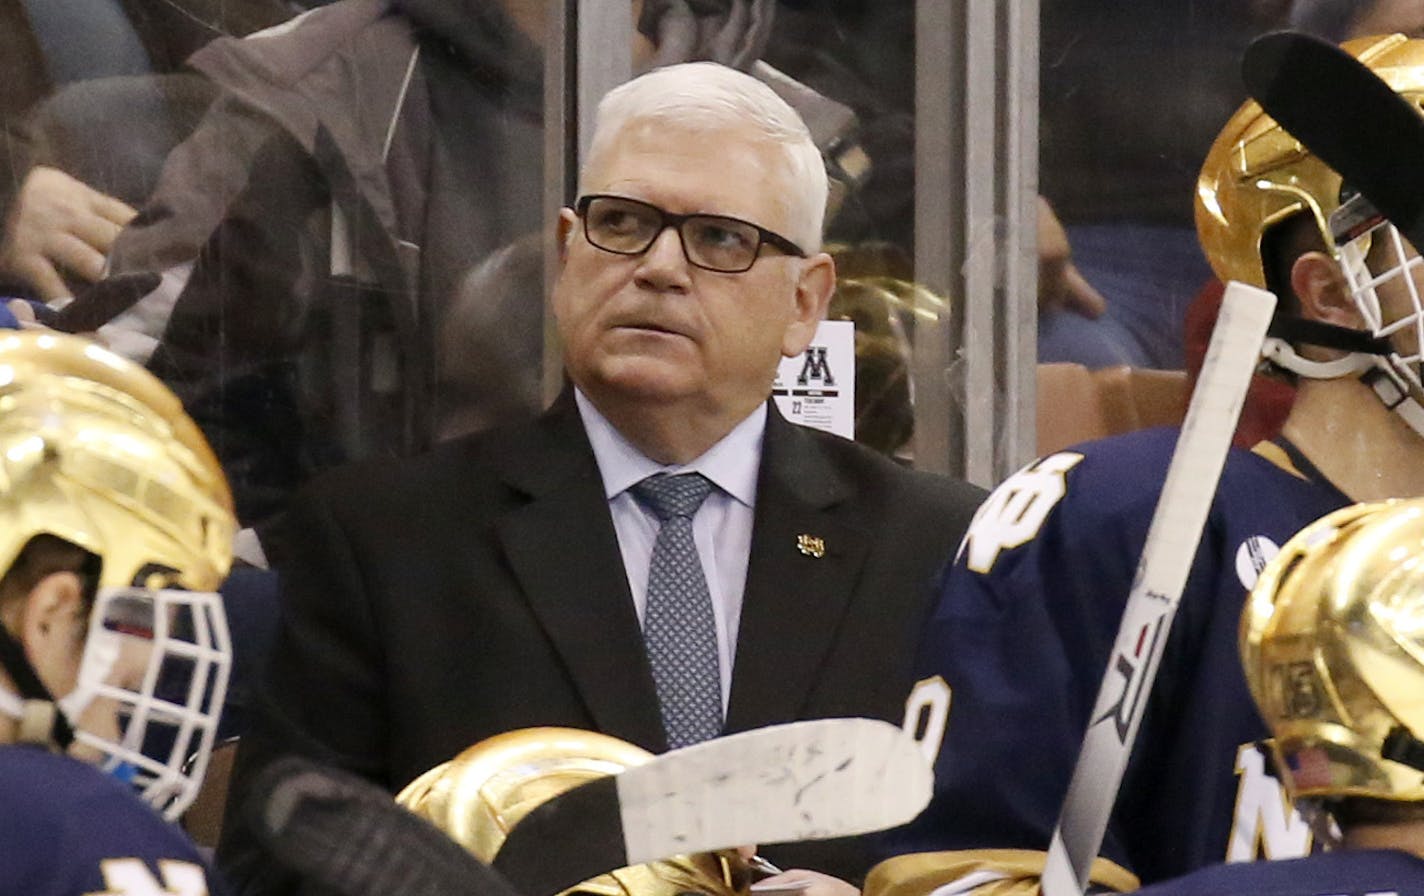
95,451
1257,175
477,797
1332,640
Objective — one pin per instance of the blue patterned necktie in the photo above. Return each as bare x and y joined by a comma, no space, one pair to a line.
678,626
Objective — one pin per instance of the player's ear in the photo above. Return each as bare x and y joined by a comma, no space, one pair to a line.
815,283
1316,279
52,624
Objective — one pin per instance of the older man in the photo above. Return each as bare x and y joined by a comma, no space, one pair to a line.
527,576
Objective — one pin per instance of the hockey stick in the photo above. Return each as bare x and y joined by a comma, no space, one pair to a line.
1166,560
786,783
802,781
1347,117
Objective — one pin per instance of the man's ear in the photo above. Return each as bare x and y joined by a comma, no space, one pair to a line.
1324,294
52,626
814,287
564,231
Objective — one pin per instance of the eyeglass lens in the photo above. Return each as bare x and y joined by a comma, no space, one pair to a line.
709,241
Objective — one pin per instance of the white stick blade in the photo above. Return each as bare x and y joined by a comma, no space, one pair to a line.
801,781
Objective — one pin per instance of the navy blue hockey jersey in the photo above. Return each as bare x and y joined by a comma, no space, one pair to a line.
1352,873
1026,621
68,829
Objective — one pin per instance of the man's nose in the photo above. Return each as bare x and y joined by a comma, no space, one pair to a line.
664,266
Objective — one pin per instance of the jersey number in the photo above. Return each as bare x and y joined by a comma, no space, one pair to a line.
926,712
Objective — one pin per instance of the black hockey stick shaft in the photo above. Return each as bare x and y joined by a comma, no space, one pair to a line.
1347,117
571,838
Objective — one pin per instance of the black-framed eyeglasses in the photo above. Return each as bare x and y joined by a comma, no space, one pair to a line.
626,226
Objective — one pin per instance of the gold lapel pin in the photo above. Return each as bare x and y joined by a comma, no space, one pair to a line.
811,545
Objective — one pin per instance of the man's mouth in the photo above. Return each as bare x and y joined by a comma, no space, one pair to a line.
649,327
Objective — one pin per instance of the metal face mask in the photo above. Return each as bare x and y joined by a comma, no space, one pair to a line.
151,688
1382,271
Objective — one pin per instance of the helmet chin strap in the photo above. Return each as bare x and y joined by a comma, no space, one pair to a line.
1283,355
1374,371
41,720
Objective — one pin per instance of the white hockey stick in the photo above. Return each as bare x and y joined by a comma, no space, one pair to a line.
785,783
801,781
1172,541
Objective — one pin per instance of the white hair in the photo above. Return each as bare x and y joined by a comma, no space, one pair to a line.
706,96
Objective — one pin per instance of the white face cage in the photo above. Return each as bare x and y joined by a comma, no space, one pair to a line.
1387,297
1400,317
151,687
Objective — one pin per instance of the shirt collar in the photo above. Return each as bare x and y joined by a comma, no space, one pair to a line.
731,464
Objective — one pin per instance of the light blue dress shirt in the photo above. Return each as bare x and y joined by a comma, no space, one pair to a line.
722,527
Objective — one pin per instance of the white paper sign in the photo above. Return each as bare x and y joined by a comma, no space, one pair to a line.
817,388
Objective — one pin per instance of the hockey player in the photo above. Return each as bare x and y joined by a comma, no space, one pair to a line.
1332,651
115,530
1029,611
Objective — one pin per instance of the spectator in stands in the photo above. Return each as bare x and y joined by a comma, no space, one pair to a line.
319,226
862,53
75,164
1120,174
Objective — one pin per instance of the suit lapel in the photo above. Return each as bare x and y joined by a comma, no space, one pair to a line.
564,554
794,601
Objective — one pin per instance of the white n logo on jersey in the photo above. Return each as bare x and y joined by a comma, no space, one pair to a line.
1265,826
131,877
1015,512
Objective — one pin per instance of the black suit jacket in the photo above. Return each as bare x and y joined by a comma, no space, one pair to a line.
434,602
